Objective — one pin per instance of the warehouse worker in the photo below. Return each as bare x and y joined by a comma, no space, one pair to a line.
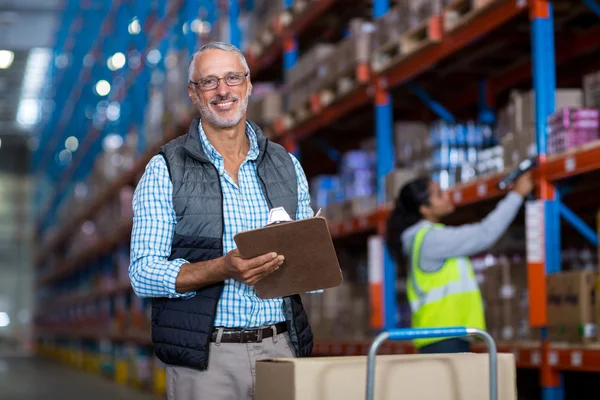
222,177
441,286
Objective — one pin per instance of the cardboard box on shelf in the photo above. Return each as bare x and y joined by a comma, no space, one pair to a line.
571,306
591,89
456,376
421,10
394,181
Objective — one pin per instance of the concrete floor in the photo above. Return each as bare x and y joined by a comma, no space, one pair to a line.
28,378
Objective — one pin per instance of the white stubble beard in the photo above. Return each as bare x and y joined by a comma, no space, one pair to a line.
213,118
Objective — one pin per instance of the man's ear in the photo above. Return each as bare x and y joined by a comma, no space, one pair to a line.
192,95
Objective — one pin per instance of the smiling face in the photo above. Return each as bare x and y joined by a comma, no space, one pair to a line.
225,105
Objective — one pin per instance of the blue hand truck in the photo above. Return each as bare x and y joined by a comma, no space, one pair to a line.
431,333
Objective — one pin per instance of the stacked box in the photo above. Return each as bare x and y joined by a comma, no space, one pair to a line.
571,306
260,25
591,90
421,11
411,142
348,54
265,108
395,180
391,26
505,295
303,79
572,127
522,111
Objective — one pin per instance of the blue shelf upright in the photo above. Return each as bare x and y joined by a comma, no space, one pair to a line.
384,132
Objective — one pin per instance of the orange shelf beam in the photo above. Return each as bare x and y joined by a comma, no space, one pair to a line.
352,101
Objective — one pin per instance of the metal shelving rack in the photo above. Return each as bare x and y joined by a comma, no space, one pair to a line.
547,357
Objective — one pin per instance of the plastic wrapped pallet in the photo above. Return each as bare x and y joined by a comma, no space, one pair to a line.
570,128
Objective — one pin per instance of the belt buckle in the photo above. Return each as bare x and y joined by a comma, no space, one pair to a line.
253,335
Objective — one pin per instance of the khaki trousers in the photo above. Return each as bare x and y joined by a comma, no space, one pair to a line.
231,370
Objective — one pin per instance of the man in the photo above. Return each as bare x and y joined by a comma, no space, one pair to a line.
208,324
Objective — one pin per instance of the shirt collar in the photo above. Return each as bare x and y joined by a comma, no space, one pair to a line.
214,155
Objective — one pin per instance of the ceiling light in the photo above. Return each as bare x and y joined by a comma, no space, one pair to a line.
4,320
134,27
65,157
205,28
113,111
116,62
6,59
112,142
102,88
28,113
153,56
196,25
71,144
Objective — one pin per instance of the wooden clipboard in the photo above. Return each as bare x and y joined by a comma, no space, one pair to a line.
310,259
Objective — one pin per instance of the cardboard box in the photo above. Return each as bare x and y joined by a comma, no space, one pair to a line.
571,306
395,180
591,90
456,376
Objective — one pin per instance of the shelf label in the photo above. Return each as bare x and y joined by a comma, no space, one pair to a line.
553,358
570,164
535,358
576,358
534,231
457,196
481,189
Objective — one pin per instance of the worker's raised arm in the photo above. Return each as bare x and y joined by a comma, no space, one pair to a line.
470,239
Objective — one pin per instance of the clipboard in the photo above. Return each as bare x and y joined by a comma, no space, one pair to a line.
310,259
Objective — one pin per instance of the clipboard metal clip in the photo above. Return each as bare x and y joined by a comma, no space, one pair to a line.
278,215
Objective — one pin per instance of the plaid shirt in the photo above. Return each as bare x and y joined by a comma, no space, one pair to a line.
244,208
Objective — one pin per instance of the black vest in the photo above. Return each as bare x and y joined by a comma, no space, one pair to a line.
181,328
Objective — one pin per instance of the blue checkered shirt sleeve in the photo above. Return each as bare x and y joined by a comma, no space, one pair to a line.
150,271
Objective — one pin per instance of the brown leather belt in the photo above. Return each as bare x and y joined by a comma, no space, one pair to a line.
248,335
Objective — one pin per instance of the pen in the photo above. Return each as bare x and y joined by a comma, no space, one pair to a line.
318,212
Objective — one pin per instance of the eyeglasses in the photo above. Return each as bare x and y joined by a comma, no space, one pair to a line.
211,82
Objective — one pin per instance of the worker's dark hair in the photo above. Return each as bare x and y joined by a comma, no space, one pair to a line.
406,213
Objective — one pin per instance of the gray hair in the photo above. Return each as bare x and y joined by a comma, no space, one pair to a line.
215,46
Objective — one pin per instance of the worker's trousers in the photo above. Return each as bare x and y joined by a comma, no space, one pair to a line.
231,372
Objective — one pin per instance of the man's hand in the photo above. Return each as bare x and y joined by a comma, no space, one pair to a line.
524,184
252,270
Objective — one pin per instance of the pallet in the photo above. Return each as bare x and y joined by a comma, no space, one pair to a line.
386,55
428,33
460,12
336,88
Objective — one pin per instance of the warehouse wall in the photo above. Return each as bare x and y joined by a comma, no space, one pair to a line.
16,271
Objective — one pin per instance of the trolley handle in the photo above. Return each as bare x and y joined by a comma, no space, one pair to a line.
432,333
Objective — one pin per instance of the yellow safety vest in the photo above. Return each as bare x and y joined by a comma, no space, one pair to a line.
444,298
